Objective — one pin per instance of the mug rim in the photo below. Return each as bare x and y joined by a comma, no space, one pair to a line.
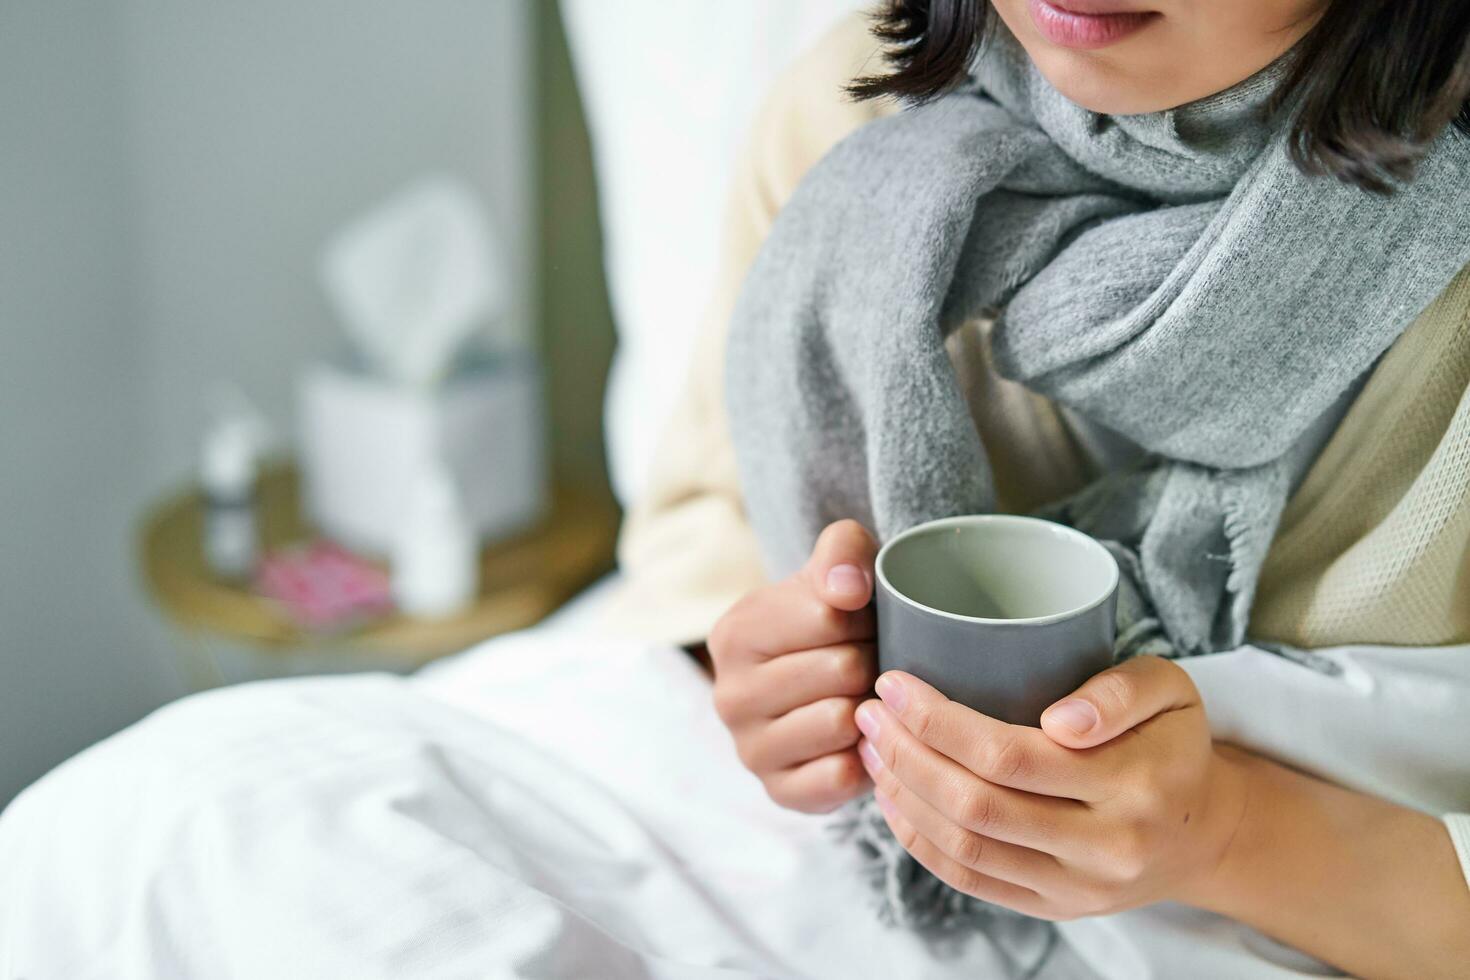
970,520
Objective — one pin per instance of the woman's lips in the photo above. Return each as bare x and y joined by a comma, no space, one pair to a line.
1071,27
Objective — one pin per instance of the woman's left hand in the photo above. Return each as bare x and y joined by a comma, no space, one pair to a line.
1119,800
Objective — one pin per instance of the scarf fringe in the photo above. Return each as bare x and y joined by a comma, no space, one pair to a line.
907,896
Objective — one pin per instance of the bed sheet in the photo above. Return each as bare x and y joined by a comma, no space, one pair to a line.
557,804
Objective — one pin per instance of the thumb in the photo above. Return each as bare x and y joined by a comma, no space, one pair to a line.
1118,699
840,569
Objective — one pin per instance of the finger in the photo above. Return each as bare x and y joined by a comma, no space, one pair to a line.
1117,700
821,785
777,620
1023,866
1017,756
1046,823
956,875
840,570
786,683
810,732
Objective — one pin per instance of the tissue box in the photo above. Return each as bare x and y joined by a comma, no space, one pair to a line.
363,439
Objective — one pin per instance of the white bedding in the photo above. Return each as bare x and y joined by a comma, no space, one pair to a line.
553,805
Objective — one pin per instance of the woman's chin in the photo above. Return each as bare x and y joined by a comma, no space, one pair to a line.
1096,82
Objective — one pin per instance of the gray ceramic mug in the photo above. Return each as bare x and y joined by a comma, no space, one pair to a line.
1005,614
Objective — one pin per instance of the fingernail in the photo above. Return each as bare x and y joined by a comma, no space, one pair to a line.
870,757
892,691
884,803
847,580
867,721
1079,716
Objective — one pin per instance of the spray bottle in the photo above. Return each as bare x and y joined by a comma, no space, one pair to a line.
228,474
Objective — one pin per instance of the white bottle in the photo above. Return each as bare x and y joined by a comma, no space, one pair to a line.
436,558
227,475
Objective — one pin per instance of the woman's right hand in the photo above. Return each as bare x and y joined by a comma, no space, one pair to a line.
792,662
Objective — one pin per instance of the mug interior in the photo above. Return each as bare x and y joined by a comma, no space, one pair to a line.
998,567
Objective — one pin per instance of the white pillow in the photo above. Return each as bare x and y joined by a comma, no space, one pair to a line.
669,90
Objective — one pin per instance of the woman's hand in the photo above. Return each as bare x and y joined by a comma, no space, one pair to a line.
792,661
1120,800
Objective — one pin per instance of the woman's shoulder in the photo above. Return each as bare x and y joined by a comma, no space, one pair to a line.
808,110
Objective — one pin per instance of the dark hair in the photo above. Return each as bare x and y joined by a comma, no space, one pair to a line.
1373,85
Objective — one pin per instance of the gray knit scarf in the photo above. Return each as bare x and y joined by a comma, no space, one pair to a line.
1170,276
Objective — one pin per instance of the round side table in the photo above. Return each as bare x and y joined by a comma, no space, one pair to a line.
522,579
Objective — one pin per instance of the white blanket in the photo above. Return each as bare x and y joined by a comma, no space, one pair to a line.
552,805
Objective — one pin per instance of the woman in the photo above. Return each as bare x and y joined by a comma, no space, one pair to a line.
1355,112
356,827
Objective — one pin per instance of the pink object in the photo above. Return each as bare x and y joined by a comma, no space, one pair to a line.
324,587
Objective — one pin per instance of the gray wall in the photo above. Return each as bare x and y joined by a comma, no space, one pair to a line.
259,128
74,661
168,171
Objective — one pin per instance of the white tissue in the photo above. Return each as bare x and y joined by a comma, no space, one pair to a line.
414,278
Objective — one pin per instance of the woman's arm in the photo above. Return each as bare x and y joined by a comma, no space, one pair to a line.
687,552
1359,882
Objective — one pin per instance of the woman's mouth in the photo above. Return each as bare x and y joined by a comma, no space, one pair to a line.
1087,23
